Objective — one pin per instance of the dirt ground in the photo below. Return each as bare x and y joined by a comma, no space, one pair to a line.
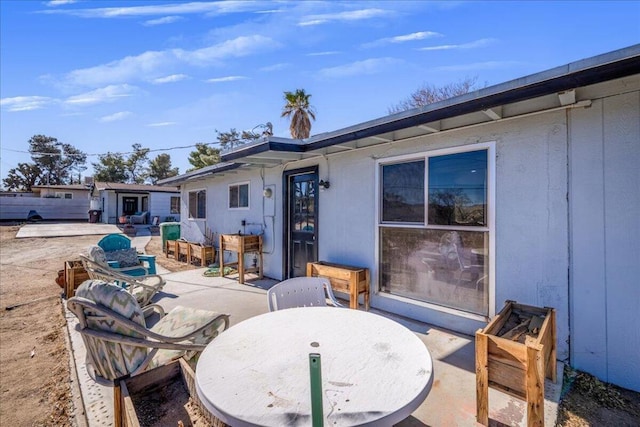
34,362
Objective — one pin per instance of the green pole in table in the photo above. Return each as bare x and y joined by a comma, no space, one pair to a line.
316,390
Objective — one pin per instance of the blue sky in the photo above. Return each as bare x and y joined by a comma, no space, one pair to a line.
104,75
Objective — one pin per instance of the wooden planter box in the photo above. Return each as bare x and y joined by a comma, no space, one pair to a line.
514,353
177,381
241,244
205,254
74,275
183,250
170,249
344,278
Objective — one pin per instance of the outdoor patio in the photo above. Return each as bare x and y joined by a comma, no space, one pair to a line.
451,402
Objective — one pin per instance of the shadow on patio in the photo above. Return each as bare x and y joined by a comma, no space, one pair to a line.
451,402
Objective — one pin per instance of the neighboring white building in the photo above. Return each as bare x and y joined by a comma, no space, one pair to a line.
69,192
527,191
116,199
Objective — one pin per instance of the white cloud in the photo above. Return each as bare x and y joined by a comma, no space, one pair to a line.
121,115
487,65
147,65
170,79
275,67
161,124
210,8
326,53
109,93
226,79
54,3
26,103
354,15
240,46
122,70
470,45
162,21
420,35
366,67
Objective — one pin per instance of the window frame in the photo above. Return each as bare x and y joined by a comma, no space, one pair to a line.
489,228
63,195
173,211
238,185
196,191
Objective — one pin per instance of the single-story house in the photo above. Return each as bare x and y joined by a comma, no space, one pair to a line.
115,200
528,191
69,192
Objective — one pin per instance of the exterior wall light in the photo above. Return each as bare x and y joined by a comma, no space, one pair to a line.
267,192
324,184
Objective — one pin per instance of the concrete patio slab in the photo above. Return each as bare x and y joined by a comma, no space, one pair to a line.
65,229
451,402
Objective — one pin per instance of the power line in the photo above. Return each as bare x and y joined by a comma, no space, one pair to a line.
112,153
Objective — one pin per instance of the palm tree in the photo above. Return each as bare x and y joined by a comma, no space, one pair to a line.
298,108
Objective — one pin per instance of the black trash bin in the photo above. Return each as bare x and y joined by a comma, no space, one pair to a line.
94,215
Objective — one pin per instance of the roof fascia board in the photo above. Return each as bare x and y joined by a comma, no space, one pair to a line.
208,170
268,145
545,83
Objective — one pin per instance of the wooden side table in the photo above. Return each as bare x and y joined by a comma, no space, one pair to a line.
344,278
241,244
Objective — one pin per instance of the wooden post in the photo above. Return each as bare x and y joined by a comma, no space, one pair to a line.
221,255
117,404
535,386
241,262
552,366
482,378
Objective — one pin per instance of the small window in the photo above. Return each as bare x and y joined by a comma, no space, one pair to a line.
198,204
64,195
175,206
239,196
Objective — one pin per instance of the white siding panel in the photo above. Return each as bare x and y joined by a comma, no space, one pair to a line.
587,286
160,205
605,201
622,247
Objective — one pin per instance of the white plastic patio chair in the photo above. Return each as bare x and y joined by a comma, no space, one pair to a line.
301,292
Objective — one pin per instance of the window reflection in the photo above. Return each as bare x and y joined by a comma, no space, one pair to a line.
458,189
304,206
403,192
448,268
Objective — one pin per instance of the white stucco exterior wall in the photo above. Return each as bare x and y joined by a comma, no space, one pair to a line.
531,215
264,215
605,235
531,211
567,199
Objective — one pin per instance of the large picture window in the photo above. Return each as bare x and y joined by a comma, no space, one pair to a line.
198,204
434,231
239,196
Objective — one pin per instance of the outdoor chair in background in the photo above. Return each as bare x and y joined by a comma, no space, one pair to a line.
139,218
120,345
458,261
301,292
120,254
143,288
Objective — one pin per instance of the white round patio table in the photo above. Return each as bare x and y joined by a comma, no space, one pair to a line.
374,370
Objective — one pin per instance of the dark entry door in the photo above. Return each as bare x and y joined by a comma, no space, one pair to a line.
302,220
129,205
